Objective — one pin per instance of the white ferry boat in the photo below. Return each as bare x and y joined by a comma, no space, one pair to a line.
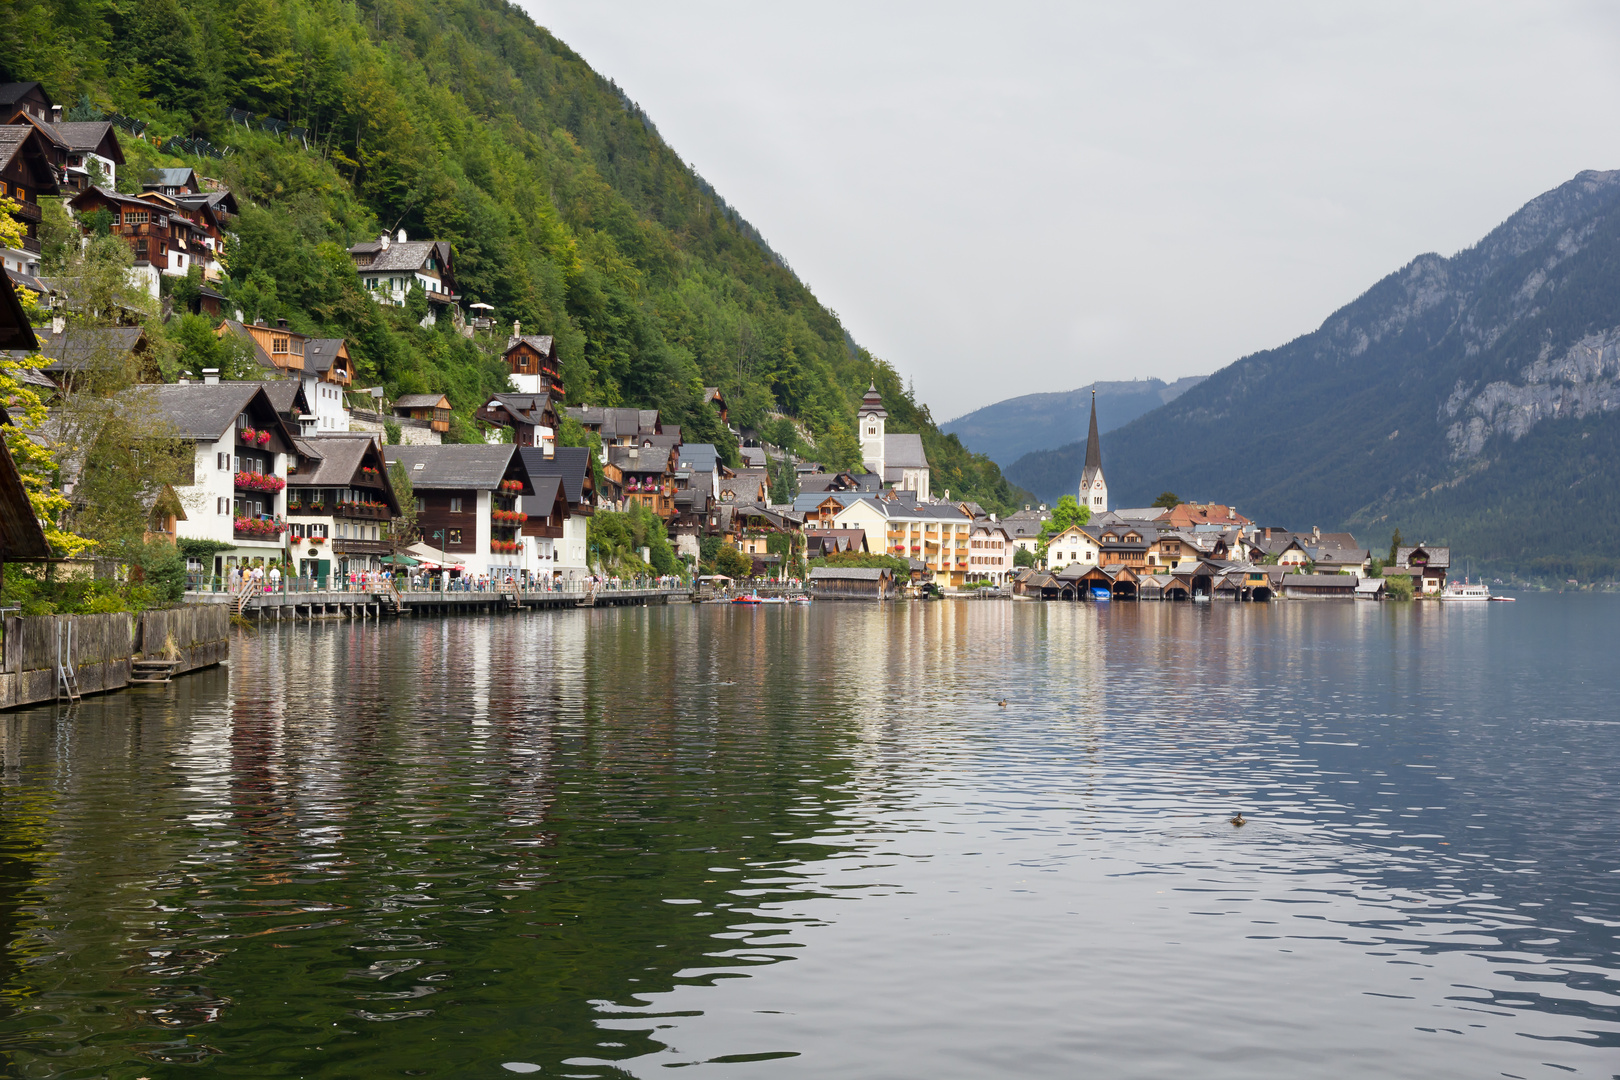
1462,590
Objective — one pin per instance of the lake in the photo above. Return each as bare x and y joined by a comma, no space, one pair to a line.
812,842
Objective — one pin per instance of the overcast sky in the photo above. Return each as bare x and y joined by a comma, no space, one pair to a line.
1002,199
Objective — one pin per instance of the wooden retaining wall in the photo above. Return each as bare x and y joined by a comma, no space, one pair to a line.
103,646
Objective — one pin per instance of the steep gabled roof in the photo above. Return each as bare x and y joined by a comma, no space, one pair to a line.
14,140
904,451
206,411
319,353
88,137
571,463
402,255
286,395
453,465
547,489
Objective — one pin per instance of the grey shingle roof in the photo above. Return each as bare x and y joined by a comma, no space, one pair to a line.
904,452
72,350
338,461
319,354
85,136
571,463
284,394
545,496
409,255
847,573
453,465
699,457
419,401
205,412
180,177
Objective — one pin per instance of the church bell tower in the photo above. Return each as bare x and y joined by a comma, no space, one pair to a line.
1093,488
870,419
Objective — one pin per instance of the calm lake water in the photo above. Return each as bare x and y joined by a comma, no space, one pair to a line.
810,843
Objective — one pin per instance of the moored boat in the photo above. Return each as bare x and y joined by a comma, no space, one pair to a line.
1462,590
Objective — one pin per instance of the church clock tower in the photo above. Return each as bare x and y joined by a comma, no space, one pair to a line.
1093,488
871,418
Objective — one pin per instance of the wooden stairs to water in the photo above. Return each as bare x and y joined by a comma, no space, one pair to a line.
152,671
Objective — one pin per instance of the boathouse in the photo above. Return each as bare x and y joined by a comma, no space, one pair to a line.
851,583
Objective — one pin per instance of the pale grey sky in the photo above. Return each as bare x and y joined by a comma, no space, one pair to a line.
1009,198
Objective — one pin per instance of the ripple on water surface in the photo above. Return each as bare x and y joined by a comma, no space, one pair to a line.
810,842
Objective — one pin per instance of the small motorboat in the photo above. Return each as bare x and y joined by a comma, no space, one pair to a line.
773,600
798,599
1101,595
1503,599
751,598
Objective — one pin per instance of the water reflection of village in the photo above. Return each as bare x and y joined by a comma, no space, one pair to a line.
354,822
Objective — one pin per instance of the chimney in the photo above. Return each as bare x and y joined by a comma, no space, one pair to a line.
401,236
210,376
182,381
281,324
1316,532
58,324
56,114
382,241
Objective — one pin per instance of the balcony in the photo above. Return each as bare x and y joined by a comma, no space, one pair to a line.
306,509
361,511
264,529
261,482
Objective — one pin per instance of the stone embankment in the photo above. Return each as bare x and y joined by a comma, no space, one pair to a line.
96,652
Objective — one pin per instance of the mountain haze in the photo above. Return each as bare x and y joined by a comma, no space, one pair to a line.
1471,400
1009,429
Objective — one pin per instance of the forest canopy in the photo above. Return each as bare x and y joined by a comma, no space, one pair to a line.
462,120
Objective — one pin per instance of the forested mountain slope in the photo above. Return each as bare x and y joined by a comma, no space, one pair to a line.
1470,400
1009,429
462,120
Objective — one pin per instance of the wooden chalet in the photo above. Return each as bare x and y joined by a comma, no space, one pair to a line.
26,173
432,409
327,360
713,396
468,500
533,365
642,476
532,417
340,504
391,266
276,348
145,225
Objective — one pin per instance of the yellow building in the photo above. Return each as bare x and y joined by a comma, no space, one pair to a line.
938,534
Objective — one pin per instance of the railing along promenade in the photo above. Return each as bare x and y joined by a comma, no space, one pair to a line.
296,597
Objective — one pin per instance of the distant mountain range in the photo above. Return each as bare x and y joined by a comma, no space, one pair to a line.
1472,401
1007,430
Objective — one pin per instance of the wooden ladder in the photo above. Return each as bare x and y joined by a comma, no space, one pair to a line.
242,596
67,679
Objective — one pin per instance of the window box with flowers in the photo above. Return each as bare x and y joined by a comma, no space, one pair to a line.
260,482
248,435
247,528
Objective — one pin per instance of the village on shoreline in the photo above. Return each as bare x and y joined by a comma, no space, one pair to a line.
296,480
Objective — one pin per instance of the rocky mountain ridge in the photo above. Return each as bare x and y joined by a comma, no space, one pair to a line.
1449,399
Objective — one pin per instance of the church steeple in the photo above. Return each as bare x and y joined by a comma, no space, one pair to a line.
1093,488
871,418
